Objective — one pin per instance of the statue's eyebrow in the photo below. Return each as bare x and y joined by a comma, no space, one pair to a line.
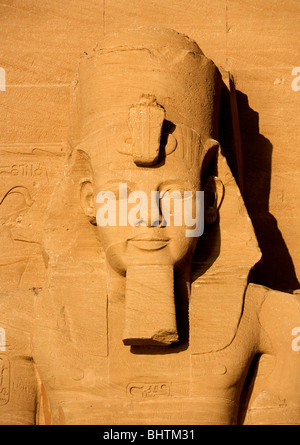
176,181
114,182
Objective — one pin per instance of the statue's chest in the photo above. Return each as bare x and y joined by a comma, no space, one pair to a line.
150,386
91,376
133,388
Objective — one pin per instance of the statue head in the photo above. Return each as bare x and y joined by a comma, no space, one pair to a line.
148,113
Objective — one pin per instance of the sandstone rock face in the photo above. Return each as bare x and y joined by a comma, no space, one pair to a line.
119,304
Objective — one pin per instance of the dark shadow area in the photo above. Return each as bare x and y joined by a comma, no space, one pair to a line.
247,389
159,350
181,286
275,269
207,250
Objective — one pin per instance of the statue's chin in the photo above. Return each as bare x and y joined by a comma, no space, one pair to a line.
147,252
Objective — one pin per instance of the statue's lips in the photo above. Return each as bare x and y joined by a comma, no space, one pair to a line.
148,242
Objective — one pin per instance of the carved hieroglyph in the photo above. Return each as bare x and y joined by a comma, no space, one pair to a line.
140,323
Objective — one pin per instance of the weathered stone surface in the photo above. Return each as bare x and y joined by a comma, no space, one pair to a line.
209,348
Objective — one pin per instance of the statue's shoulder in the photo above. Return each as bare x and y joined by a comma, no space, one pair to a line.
273,300
278,314
259,294
275,397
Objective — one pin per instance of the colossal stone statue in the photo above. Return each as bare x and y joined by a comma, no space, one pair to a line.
147,316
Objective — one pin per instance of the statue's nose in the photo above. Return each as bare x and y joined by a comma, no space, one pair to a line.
149,208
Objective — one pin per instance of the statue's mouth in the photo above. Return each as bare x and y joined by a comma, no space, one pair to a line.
149,242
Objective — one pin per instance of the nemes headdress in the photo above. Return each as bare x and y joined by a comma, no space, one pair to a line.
138,86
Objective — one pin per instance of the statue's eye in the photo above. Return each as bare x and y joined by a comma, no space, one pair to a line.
174,186
172,190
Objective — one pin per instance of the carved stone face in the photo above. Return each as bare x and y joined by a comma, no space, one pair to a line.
148,242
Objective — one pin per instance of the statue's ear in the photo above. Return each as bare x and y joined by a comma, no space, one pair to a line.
87,200
213,197
211,184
